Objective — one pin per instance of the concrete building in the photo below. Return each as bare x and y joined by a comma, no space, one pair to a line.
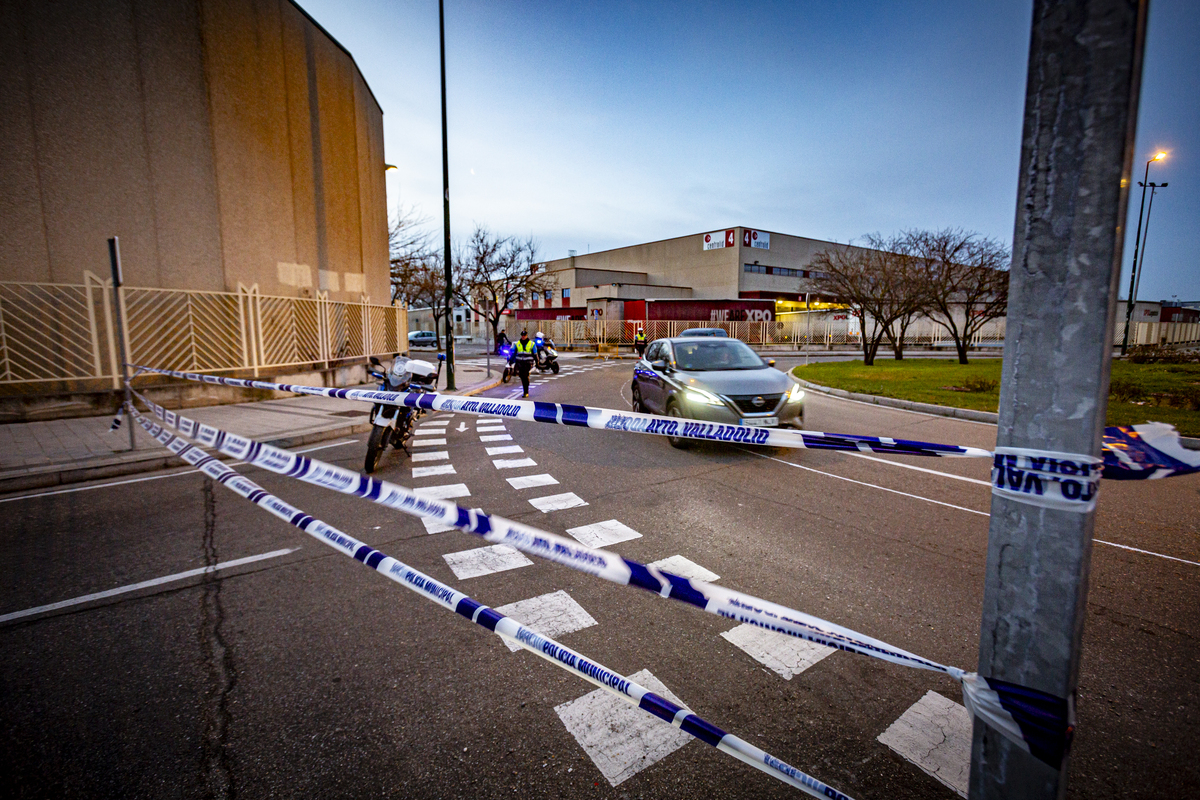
224,141
730,264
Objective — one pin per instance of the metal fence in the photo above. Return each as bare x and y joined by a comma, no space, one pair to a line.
55,332
795,330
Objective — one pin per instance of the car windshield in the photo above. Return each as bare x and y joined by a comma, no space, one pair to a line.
716,354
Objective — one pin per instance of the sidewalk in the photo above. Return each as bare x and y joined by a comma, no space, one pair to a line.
36,455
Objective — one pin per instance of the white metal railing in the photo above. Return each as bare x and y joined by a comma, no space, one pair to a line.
826,330
57,332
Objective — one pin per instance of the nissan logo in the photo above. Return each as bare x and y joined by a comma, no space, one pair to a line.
758,402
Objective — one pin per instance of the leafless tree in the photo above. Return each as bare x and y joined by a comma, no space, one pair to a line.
904,280
409,252
965,280
875,282
494,272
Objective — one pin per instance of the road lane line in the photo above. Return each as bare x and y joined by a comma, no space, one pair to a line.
152,477
1147,552
920,469
133,587
871,485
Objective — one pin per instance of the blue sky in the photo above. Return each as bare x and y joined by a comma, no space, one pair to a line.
597,125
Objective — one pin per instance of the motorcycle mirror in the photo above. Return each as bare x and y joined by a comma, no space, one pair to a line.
441,356
771,362
374,361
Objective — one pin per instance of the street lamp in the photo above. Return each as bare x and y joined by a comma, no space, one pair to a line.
1159,156
1154,187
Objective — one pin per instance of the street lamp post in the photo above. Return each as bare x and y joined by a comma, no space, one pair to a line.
446,208
1159,156
1137,286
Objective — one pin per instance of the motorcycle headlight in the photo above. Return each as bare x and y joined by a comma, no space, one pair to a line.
796,394
702,397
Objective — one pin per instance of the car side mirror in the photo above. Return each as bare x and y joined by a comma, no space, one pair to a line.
660,364
771,362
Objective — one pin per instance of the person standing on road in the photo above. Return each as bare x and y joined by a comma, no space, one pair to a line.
522,359
639,341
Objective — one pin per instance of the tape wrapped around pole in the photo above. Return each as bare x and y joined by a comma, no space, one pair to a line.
982,698
503,626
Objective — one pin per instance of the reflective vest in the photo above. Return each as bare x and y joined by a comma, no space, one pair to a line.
641,337
523,350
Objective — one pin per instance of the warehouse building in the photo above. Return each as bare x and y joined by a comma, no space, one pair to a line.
726,275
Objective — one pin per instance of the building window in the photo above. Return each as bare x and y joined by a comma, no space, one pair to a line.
758,268
548,294
566,294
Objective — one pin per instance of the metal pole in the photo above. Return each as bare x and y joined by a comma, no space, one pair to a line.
114,257
1154,187
446,207
1084,76
808,319
1133,267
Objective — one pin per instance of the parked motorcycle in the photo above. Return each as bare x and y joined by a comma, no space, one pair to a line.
394,424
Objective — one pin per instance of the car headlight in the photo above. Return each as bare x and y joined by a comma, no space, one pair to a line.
702,397
796,394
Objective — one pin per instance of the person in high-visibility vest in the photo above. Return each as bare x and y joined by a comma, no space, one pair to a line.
639,341
522,359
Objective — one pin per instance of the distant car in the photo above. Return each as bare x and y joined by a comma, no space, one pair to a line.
705,332
422,339
717,380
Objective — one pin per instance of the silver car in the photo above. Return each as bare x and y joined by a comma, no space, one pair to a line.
717,380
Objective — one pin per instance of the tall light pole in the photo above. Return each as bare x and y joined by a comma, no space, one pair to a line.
446,206
1154,187
1159,156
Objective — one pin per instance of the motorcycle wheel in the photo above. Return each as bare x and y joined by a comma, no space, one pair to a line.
377,442
554,367
507,376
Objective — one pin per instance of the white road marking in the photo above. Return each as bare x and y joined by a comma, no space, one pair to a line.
935,734
785,655
429,432
74,489
490,429
513,463
602,534
435,423
871,485
1147,552
557,502
622,740
462,426
428,443
921,469
498,437
435,525
686,568
508,448
441,455
485,560
133,587
447,491
439,469
549,614
530,481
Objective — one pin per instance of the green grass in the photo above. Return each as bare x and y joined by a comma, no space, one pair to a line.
1164,389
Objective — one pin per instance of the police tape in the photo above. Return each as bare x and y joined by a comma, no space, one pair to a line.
1067,481
503,626
1036,721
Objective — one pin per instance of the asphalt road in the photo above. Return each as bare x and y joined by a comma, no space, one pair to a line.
304,674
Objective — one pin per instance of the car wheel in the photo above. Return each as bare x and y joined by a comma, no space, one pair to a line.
677,442
638,405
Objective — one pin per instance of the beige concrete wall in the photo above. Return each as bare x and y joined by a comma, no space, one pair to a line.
187,127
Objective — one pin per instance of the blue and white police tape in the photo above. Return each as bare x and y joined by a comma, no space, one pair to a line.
994,702
1128,454
503,626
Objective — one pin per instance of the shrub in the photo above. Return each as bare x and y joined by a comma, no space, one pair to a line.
1127,391
1156,354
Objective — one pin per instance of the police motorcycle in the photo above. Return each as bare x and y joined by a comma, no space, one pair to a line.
394,424
547,356
506,352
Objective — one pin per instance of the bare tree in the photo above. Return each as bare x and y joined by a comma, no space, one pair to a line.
494,272
965,280
907,288
408,252
874,282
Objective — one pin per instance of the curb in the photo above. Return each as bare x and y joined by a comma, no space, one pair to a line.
1187,442
61,474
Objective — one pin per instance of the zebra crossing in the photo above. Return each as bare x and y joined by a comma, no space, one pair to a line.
934,734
